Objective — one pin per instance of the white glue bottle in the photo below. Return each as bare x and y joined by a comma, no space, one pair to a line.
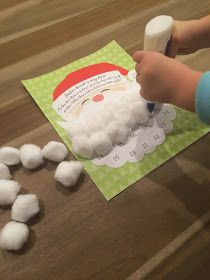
156,38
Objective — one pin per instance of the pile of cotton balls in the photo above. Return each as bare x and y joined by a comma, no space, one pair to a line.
93,136
25,206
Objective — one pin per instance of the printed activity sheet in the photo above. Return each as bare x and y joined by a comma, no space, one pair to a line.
82,98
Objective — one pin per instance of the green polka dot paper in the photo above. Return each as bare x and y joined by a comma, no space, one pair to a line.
112,181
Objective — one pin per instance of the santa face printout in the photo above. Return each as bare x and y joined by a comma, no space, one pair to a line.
85,90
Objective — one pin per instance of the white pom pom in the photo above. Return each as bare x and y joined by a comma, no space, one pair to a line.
25,207
124,105
140,112
93,125
68,172
117,132
82,146
125,117
4,172
75,128
101,142
13,236
31,156
132,98
55,151
116,106
106,116
8,191
9,155
158,107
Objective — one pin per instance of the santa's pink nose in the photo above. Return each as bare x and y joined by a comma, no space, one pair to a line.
98,97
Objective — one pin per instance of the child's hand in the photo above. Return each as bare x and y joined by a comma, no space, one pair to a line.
166,80
189,36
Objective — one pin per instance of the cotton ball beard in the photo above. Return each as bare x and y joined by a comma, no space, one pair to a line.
124,116
93,126
4,172
9,155
106,115
158,107
132,98
75,128
82,146
55,151
113,123
31,156
68,172
25,207
13,236
101,142
8,191
140,112
117,132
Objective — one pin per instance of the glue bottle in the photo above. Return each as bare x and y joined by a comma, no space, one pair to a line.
156,38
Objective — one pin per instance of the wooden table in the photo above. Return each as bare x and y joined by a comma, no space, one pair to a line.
156,229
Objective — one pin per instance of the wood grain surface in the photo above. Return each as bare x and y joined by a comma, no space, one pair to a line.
156,229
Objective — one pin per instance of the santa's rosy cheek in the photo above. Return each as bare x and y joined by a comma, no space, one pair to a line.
98,97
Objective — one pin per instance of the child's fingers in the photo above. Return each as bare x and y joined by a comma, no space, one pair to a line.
185,51
138,56
137,68
138,78
171,49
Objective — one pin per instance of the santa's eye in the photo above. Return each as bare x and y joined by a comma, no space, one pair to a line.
85,101
105,89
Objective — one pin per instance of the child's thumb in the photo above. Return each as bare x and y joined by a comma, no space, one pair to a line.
138,56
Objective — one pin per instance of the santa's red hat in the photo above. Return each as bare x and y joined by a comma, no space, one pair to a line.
85,73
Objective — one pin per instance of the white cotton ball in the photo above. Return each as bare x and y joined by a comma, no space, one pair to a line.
25,207
55,151
82,146
117,132
116,106
8,191
68,172
31,156
132,98
13,236
124,105
75,128
93,125
158,107
9,155
106,116
125,117
4,172
102,144
140,112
